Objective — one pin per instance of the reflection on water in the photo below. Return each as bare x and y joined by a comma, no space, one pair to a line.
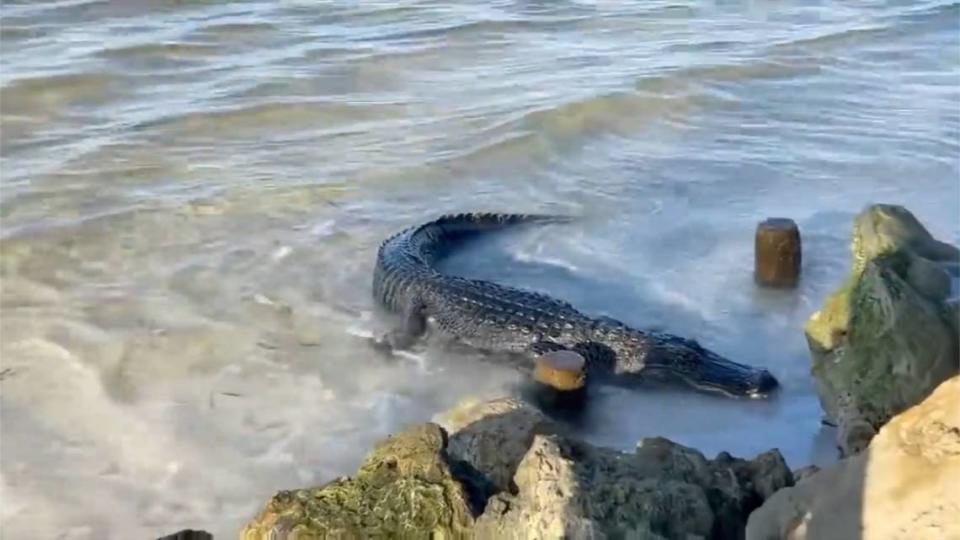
192,195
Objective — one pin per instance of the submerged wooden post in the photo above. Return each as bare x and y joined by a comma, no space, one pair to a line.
561,370
560,382
777,253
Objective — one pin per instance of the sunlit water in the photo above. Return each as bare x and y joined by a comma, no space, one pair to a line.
193,195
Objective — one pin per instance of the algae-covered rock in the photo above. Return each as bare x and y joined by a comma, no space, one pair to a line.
884,229
569,489
885,339
903,486
405,489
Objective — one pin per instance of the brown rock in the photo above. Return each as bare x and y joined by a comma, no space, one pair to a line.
777,253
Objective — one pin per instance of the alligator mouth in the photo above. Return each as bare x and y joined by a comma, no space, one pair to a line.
719,375
711,373
759,385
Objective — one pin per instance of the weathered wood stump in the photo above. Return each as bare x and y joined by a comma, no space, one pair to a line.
560,381
562,370
777,253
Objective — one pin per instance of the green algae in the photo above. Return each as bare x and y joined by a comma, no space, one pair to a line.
404,489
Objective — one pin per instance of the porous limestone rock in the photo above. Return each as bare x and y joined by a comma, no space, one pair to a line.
903,486
884,340
569,489
493,436
544,483
405,488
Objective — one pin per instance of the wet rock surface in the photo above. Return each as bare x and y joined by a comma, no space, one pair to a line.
887,337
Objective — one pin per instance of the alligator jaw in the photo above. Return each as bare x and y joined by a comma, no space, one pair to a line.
717,374
705,371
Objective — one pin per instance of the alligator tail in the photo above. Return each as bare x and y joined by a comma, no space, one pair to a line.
436,238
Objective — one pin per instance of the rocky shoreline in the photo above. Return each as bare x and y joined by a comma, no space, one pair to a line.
502,469
885,361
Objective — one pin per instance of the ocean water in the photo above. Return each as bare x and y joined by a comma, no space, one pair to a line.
193,193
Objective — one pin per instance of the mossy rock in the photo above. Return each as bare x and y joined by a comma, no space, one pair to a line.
884,229
887,337
405,489
897,348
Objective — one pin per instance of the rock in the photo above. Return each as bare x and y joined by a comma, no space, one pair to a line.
903,486
953,312
493,436
406,487
777,253
803,473
883,229
531,480
884,340
570,489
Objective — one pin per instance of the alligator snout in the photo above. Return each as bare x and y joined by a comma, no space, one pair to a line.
763,385
714,373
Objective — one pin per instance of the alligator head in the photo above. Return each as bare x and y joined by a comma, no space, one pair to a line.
687,362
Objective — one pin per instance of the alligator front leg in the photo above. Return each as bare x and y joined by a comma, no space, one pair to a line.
413,325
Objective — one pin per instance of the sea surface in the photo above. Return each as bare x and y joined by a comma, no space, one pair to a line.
193,194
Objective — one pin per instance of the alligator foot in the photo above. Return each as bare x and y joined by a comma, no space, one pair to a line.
394,340
413,326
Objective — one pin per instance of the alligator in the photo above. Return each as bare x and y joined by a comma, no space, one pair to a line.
521,324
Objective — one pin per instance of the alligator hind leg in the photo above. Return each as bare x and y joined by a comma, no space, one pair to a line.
413,325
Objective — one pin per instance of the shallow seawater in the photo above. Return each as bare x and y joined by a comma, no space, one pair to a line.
193,194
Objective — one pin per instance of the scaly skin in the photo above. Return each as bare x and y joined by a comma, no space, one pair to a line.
523,324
